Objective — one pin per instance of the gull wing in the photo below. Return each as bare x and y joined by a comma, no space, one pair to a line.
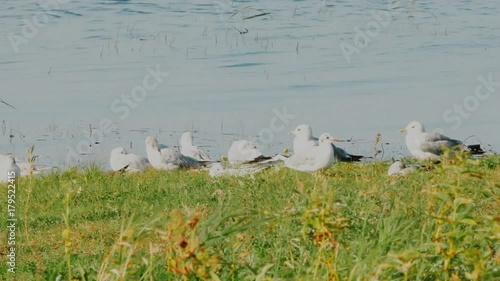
433,142
201,154
302,160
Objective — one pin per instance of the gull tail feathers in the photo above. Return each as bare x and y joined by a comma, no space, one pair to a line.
355,158
259,159
475,149
275,158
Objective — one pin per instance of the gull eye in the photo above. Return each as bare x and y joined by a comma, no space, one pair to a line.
298,129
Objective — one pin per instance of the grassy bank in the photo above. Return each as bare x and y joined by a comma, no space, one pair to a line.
352,222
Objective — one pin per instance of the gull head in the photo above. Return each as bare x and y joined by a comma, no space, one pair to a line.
399,165
303,131
413,127
187,139
10,159
326,138
245,145
151,142
118,151
216,170
396,168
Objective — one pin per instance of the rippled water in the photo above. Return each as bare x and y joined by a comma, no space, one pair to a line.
232,65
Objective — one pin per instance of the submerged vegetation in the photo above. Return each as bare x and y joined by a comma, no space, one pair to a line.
351,222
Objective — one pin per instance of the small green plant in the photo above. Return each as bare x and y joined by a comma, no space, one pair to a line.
323,223
462,239
456,242
66,233
124,260
185,251
31,159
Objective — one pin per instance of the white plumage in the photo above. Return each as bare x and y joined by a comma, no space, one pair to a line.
304,140
121,160
398,168
427,145
190,150
8,168
243,151
314,158
218,170
164,158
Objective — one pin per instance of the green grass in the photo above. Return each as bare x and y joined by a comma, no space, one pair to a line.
351,222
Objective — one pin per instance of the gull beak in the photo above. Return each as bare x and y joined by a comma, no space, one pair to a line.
291,133
403,131
336,140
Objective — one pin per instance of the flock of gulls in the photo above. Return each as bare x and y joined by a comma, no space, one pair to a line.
310,154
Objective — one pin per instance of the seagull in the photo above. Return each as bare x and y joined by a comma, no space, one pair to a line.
398,168
28,169
218,170
304,139
244,151
428,145
164,158
315,157
8,168
121,160
188,149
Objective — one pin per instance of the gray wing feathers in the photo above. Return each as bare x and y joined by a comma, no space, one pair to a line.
343,156
340,154
203,155
301,159
434,143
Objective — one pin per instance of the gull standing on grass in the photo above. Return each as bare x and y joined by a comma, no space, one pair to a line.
243,151
304,139
427,145
7,166
190,150
164,158
121,160
314,158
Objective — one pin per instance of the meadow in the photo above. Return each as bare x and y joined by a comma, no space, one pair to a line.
350,222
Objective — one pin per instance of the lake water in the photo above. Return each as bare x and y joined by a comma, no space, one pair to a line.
351,68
